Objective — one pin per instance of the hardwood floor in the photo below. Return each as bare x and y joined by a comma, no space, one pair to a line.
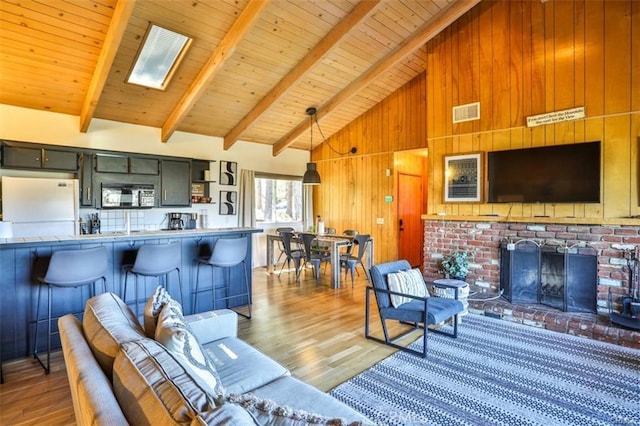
315,331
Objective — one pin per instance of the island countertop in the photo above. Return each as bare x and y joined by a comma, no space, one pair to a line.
23,259
115,236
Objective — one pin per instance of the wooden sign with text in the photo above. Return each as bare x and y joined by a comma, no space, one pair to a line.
555,117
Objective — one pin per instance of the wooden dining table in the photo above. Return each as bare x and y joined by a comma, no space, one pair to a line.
334,242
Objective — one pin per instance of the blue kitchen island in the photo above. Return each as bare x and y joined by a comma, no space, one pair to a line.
22,259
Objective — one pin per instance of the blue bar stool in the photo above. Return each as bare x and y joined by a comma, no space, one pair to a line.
154,260
227,253
68,268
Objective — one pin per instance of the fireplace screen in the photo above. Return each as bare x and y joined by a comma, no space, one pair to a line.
551,274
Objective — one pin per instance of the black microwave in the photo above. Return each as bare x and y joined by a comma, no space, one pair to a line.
128,196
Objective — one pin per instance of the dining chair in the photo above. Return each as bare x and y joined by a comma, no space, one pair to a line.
313,255
293,254
350,261
349,233
279,231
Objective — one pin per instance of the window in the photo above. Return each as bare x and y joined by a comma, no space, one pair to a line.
278,199
162,51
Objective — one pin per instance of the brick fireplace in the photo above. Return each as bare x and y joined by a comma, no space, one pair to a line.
485,238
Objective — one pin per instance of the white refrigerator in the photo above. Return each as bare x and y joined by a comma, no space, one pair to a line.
39,207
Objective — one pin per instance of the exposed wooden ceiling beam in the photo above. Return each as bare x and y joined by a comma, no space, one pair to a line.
416,41
117,28
223,52
337,34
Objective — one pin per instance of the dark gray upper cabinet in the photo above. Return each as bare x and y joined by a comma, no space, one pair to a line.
115,163
86,179
175,182
39,158
107,163
143,166
60,160
174,175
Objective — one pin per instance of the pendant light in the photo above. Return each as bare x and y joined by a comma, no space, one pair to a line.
311,176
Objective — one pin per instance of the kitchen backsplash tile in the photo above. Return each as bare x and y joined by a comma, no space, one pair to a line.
140,220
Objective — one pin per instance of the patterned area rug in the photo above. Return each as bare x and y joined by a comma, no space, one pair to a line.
499,373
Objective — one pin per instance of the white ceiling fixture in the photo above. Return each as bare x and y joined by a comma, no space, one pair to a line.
161,53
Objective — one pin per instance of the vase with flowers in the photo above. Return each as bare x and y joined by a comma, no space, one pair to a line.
456,265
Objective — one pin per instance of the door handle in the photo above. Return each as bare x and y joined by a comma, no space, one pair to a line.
401,224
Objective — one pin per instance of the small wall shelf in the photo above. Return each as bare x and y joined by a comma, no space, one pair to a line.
200,181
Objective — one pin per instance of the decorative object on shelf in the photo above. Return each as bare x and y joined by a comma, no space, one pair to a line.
462,178
197,192
311,176
228,172
456,265
228,201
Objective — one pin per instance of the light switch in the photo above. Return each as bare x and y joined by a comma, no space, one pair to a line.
380,221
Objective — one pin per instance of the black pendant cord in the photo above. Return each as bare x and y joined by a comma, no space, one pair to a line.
353,150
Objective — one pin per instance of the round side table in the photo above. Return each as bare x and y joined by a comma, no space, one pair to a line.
463,293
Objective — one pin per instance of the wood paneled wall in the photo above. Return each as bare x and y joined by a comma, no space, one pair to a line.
523,58
353,189
517,58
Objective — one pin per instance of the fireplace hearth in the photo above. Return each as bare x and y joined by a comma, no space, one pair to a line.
549,273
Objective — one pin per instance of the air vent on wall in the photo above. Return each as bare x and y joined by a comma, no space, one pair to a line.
466,112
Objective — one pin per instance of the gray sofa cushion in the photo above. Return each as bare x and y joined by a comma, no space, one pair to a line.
153,388
107,323
289,391
241,367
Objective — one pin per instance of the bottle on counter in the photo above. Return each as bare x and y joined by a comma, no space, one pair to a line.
204,219
127,222
320,228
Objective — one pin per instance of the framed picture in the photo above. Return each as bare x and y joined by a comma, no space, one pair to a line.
463,178
228,202
228,172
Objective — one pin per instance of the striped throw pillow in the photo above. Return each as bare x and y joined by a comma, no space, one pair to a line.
174,334
408,282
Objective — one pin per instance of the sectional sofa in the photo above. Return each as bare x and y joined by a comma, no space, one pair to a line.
123,373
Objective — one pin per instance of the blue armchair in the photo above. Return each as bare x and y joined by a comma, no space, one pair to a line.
420,312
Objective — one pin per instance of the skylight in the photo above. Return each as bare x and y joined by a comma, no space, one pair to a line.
162,51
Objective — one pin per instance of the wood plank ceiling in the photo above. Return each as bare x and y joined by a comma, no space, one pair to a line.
253,69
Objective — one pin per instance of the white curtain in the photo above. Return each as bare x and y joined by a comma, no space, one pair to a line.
307,207
246,205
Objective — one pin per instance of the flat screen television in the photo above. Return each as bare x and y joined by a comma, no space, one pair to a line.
549,174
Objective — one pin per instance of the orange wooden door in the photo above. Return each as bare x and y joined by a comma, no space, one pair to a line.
410,231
